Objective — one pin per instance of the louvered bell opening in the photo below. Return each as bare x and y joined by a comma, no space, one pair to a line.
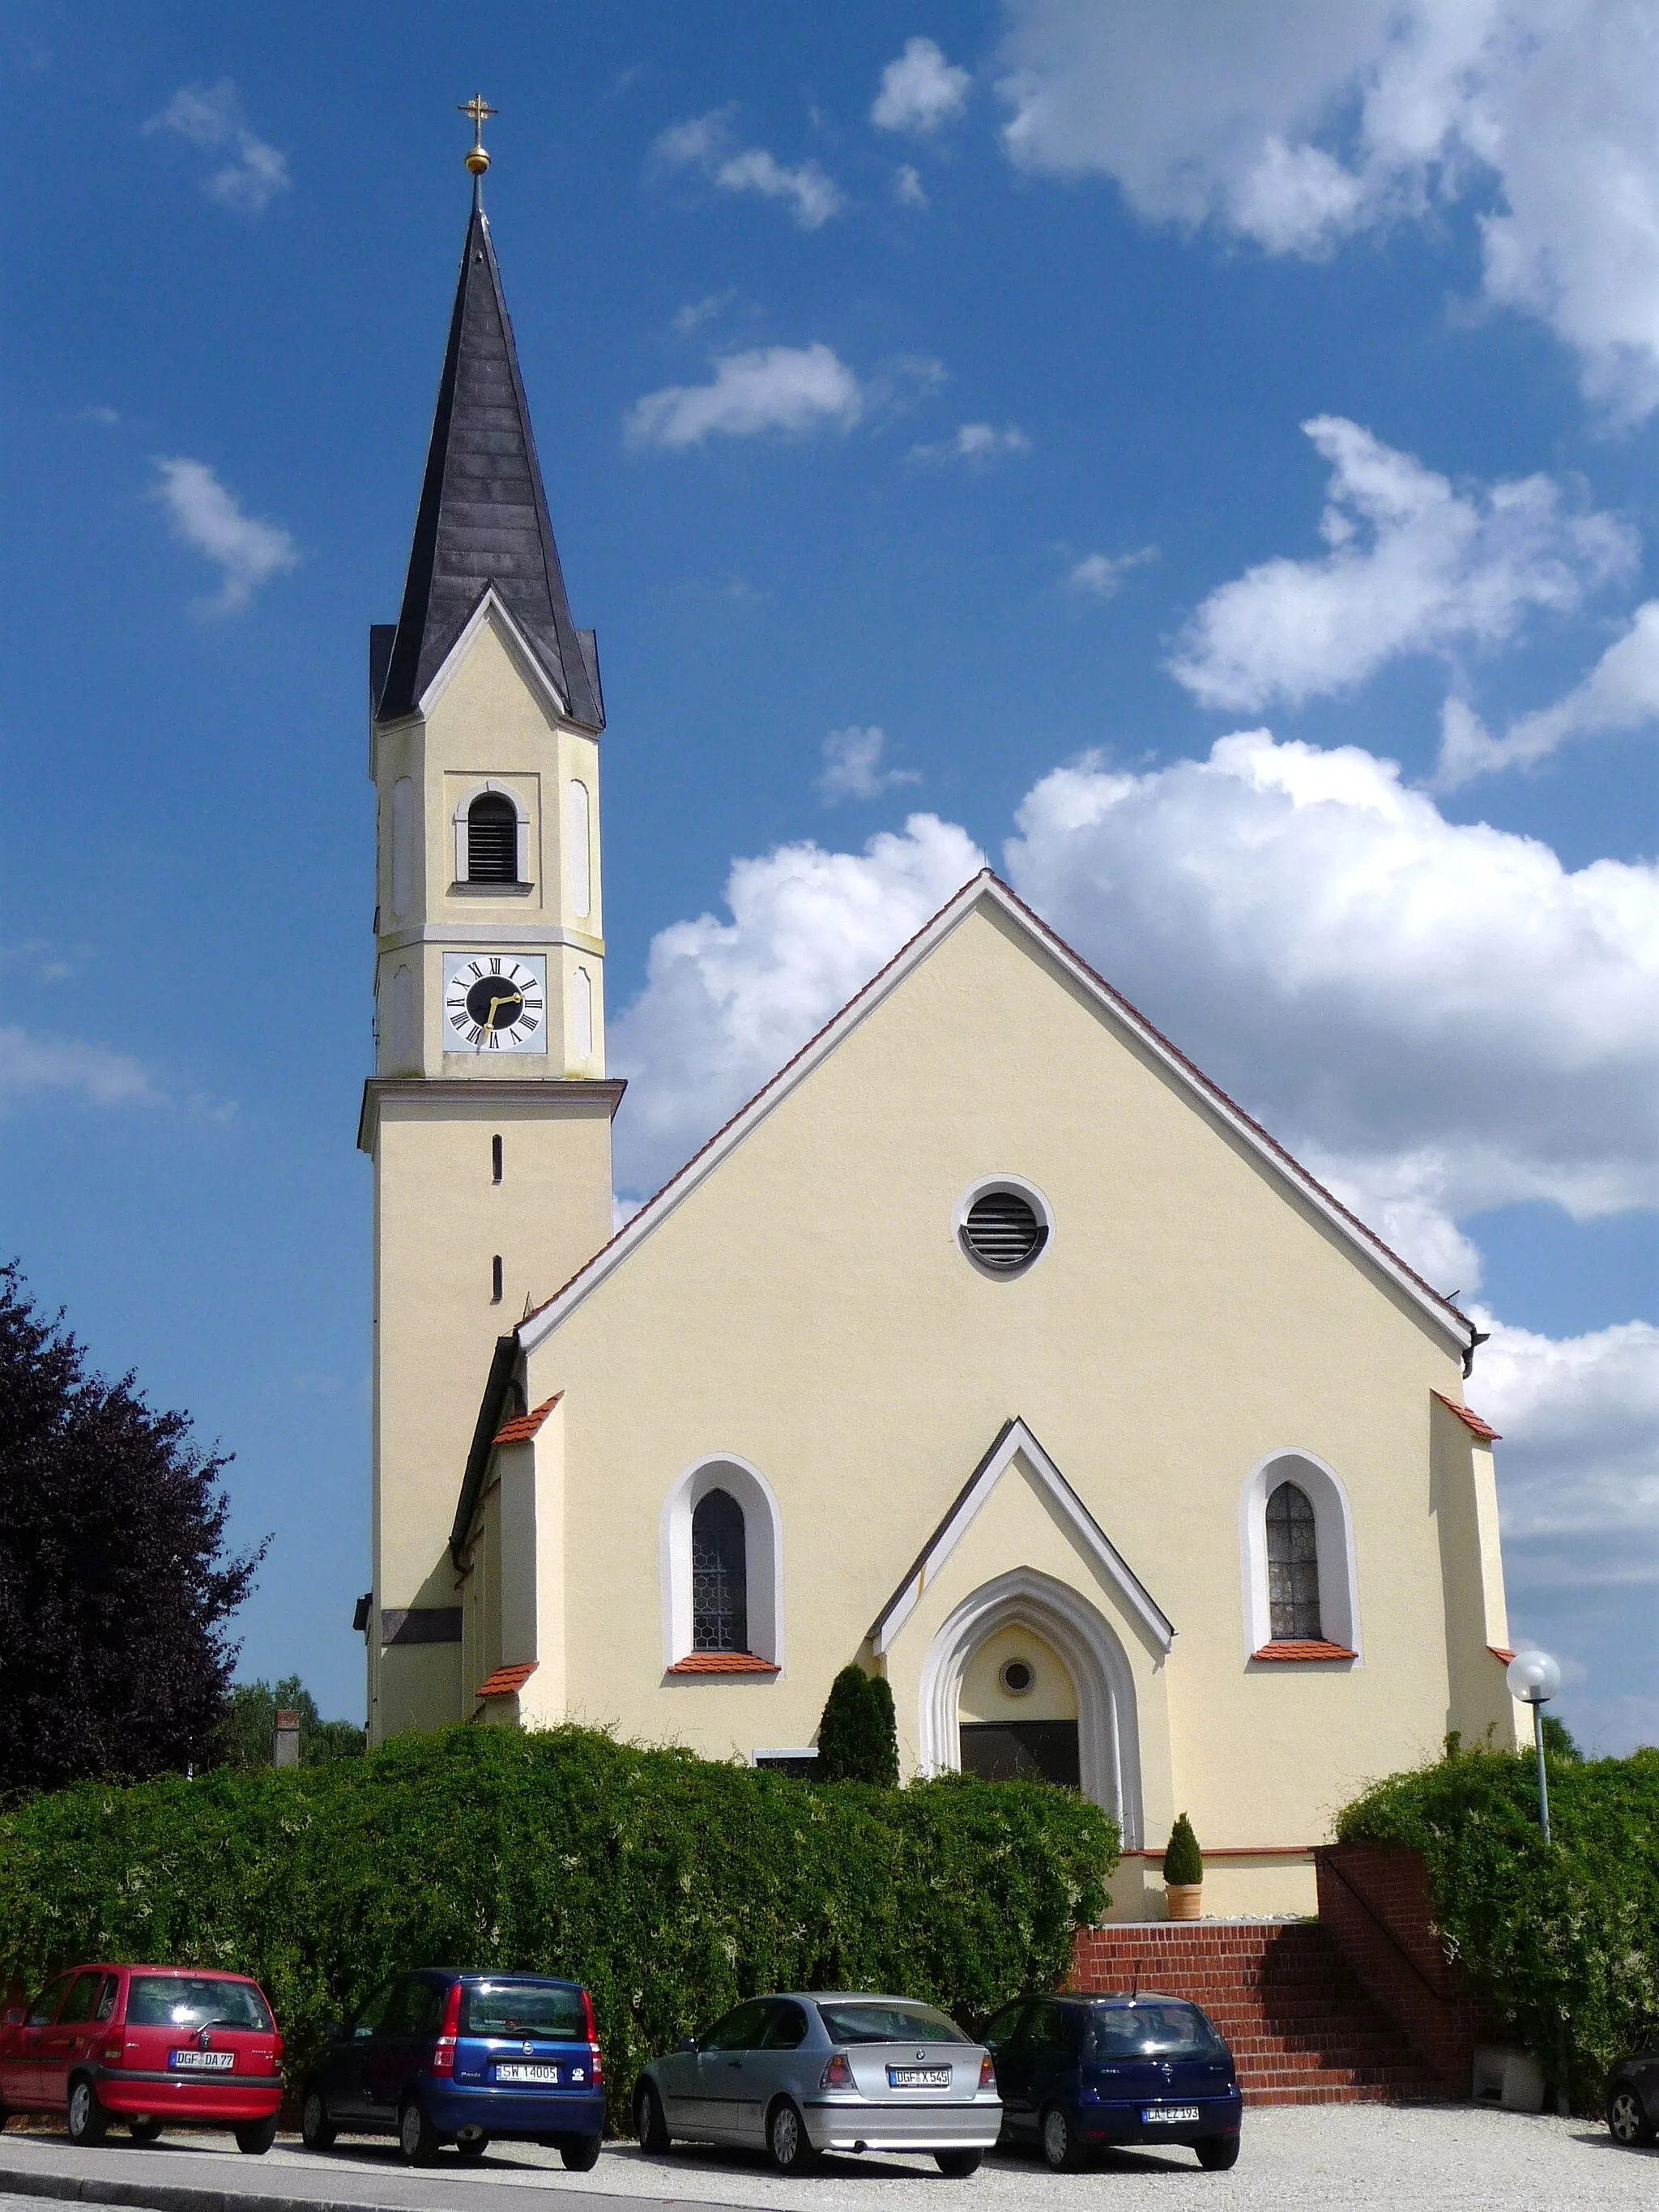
1002,1231
492,840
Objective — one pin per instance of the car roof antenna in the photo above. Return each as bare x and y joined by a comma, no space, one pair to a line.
1135,1991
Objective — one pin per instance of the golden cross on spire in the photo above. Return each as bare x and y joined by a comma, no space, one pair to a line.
480,110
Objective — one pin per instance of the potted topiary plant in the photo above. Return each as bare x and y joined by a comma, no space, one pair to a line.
1183,1872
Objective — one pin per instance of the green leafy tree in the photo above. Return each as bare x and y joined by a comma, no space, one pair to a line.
1559,1739
248,1729
858,1735
1183,1863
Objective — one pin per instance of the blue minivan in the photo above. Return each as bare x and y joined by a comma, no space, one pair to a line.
1079,2072
440,2057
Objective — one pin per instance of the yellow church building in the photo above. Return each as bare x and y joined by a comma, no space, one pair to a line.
990,1345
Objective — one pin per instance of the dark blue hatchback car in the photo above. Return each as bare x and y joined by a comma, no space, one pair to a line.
1079,2072
440,2057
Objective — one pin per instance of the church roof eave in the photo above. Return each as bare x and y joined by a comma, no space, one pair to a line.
482,519
987,886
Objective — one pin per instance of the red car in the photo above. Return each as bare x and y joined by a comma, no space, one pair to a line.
152,2047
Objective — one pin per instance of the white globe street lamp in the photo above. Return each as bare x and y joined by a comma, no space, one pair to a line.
1533,1678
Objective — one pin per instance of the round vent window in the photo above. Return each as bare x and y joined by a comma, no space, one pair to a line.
1017,1676
1003,1231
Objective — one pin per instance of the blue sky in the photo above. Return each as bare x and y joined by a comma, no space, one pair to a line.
1207,467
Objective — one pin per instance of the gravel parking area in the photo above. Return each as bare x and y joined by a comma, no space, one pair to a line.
1375,2157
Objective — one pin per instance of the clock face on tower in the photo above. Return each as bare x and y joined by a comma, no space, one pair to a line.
494,1002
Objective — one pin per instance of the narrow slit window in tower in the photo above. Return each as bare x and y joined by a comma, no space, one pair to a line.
495,1280
494,1159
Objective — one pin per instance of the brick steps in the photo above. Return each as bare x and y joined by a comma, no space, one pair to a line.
1303,2028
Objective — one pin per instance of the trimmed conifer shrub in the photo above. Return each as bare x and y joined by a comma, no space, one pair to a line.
672,1885
1183,1863
858,1735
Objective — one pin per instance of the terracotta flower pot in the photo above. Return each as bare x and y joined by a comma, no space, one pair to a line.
1185,1899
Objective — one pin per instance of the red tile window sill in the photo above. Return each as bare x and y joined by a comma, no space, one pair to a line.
506,1681
1308,1649
722,1662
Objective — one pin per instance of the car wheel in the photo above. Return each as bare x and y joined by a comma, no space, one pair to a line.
1217,2153
146,2129
473,2143
957,2165
317,2131
417,2139
649,2125
1062,2145
1627,2120
786,2138
255,2137
579,2152
87,2118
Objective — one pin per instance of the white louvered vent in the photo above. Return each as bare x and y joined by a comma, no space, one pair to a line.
1003,1231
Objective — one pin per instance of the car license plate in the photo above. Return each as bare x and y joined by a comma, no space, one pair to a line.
516,2073
918,2077
202,2062
1172,2115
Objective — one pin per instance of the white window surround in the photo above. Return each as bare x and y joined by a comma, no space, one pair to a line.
763,1537
506,791
1339,1598
1108,1730
982,1188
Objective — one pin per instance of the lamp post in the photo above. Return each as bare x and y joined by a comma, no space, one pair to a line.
1533,1678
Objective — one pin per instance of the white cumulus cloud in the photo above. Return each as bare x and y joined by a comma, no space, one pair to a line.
853,766
726,1003
976,441
786,388
1414,564
907,187
921,91
1304,125
210,116
1621,692
1100,575
31,1063
247,551
705,143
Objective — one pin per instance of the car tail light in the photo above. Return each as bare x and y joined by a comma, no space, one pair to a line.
987,2073
595,2057
111,2054
838,2074
443,2051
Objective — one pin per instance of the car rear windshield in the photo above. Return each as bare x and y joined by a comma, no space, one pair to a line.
884,2019
524,2009
1155,2031
195,2000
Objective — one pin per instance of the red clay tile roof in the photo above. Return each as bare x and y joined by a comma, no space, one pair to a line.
523,1426
1499,1653
1473,1422
722,1662
506,1681
1308,1649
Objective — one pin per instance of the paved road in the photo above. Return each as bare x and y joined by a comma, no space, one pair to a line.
1351,2158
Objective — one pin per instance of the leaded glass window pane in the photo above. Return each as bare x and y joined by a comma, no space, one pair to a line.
1292,1567
720,1575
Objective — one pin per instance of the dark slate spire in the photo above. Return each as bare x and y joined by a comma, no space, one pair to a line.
483,519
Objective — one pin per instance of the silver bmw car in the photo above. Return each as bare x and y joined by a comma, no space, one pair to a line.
818,2070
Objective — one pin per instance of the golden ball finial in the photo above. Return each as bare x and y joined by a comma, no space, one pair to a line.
478,110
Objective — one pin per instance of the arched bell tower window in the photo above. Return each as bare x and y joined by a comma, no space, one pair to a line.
720,1574
1292,1566
492,840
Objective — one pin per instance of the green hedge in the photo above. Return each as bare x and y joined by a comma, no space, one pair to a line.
671,1885
1567,1931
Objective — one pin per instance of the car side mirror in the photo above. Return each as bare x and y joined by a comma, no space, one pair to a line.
14,2017
687,2043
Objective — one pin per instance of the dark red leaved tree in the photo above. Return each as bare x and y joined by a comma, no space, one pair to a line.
115,1588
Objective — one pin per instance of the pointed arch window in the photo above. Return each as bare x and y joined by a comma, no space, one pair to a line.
492,839
720,1574
1292,1566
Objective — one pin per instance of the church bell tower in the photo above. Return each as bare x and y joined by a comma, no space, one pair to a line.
487,1116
